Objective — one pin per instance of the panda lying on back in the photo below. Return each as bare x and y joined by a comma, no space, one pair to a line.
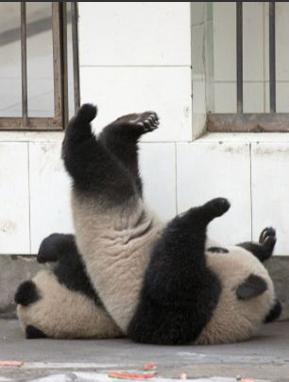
159,284
60,302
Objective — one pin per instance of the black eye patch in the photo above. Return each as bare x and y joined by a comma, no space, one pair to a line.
217,250
252,287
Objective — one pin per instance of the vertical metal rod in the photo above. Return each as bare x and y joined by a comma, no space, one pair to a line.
24,64
239,54
57,60
272,57
63,13
74,23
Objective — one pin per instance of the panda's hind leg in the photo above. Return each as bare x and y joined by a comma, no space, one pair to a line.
121,138
94,170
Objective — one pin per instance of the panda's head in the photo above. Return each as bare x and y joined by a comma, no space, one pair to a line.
247,297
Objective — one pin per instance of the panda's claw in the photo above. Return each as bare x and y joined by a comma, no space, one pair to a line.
268,232
269,243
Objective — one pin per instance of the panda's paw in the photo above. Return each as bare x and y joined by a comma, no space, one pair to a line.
142,122
148,121
86,113
217,207
268,238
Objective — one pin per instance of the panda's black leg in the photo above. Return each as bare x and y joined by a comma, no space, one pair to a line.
53,247
121,139
91,165
264,249
179,292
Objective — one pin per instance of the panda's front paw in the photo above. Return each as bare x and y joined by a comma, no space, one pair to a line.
268,239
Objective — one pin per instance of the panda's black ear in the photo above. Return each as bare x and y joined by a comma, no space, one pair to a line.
252,287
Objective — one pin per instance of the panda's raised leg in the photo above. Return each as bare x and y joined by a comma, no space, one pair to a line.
264,249
93,168
121,139
179,292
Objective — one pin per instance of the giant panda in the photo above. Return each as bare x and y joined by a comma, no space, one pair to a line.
156,281
59,302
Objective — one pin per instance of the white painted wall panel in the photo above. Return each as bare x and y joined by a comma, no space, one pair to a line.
14,215
270,191
134,33
49,192
209,170
158,170
120,91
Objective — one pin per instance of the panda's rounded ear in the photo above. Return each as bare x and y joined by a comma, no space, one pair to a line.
252,287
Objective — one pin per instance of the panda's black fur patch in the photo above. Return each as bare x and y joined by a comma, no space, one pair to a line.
26,293
69,268
32,332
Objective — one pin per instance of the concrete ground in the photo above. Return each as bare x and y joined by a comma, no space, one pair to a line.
265,357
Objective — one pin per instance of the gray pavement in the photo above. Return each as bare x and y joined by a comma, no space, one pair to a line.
265,357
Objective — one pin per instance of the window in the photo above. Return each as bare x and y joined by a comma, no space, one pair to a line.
38,65
247,66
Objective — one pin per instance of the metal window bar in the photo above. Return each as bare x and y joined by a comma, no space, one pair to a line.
74,16
24,64
58,122
252,122
239,55
272,57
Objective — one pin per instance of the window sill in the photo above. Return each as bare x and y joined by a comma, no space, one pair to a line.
29,136
244,137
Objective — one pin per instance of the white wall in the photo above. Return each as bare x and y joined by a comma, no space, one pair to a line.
133,57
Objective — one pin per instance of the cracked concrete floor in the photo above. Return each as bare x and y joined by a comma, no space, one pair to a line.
265,357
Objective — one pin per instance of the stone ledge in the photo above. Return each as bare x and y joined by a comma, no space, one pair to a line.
15,269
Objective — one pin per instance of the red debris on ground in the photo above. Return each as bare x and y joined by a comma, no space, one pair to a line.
11,363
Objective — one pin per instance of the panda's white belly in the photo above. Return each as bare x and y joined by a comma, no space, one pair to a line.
116,247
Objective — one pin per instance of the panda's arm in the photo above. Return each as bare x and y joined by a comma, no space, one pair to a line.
179,291
53,247
264,249
178,263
